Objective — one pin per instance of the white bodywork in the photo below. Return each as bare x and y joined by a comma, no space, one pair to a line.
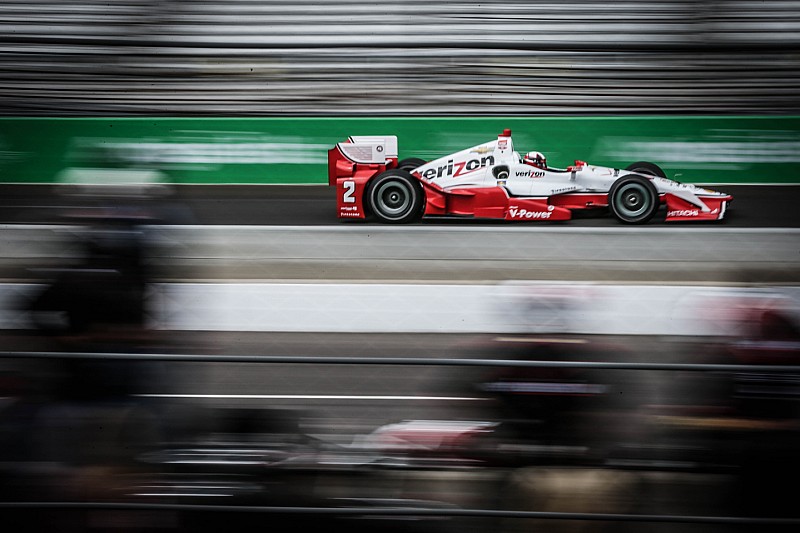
370,148
483,166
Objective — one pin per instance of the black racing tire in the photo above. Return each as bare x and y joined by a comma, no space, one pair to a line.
410,163
633,199
646,168
395,197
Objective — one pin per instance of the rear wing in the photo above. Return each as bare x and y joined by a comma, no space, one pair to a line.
361,151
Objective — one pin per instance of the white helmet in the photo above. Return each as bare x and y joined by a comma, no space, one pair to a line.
535,159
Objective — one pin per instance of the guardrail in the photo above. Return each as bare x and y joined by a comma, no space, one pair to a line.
404,361
240,58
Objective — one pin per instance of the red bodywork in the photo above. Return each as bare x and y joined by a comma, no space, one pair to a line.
351,179
679,210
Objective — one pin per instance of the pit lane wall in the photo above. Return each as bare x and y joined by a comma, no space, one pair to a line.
513,307
703,150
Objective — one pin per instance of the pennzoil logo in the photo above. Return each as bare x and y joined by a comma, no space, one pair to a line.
457,168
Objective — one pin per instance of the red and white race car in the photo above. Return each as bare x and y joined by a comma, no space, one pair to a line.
493,181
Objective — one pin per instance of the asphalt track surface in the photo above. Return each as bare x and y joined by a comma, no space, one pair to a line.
754,206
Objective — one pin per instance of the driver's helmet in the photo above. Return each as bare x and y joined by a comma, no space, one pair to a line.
535,159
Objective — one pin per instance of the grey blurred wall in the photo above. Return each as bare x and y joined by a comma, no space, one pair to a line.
391,57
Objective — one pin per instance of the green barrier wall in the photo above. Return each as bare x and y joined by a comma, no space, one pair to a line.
706,150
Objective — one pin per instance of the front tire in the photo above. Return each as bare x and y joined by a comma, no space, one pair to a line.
395,197
646,168
633,199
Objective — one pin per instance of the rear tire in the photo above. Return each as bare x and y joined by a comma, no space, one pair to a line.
633,199
395,197
410,163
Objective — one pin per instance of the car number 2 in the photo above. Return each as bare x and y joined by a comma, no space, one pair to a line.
349,196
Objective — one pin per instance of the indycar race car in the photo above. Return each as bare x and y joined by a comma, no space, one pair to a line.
493,181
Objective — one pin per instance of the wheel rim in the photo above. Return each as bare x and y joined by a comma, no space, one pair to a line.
632,200
393,199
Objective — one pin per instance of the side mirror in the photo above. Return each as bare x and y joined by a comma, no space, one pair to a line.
500,172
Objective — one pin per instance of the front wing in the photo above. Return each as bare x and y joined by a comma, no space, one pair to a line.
680,210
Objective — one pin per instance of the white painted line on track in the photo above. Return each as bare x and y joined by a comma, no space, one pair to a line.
523,228
314,397
538,340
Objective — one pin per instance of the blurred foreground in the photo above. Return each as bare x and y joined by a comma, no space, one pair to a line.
370,443
111,423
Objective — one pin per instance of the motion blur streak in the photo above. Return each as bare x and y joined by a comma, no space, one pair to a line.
123,269
392,57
